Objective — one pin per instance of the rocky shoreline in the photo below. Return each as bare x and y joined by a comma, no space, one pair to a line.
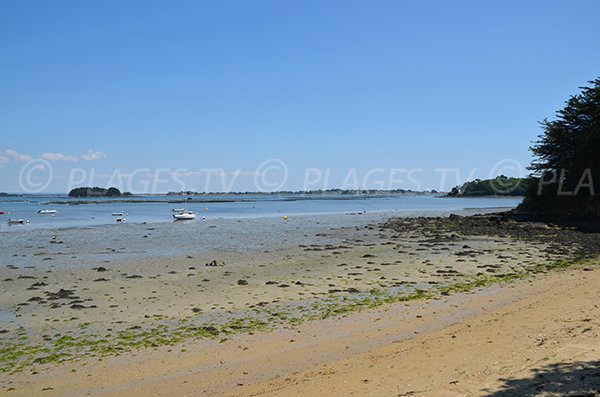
583,237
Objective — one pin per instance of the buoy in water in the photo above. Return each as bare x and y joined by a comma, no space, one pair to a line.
285,218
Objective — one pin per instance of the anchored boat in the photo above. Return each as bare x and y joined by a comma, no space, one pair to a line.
18,221
184,216
47,212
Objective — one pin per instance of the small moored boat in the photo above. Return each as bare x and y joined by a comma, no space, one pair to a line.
184,216
17,221
49,212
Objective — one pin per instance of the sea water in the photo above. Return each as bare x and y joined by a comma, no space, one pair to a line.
138,209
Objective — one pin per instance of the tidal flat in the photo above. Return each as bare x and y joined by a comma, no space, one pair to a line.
92,292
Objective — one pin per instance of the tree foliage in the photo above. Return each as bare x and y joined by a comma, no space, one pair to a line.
113,192
94,192
570,145
566,167
499,186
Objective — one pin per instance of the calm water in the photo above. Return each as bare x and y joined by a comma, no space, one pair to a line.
270,206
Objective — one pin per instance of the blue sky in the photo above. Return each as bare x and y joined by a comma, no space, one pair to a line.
179,88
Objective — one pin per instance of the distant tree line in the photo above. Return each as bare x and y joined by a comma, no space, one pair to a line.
316,192
499,186
96,192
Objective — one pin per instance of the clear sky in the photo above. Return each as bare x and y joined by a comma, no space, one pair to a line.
177,88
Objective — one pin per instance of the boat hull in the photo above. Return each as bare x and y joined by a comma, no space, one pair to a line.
184,217
17,221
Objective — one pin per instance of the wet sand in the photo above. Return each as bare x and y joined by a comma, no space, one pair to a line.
534,337
81,295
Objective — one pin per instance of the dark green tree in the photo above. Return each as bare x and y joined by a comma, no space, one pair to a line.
566,161
499,186
113,192
94,192
570,145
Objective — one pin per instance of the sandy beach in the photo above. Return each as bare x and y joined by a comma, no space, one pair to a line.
299,199
338,305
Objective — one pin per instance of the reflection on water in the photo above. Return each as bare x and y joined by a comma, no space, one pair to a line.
7,314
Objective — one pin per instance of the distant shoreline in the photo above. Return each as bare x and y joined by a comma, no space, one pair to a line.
249,200
344,192
220,197
206,201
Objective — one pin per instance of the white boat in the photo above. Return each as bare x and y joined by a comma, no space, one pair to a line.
118,214
51,212
184,216
17,221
